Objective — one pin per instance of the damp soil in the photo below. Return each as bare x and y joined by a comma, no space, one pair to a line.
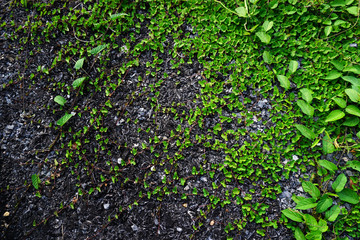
29,144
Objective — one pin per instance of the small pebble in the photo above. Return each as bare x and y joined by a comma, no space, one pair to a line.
134,227
185,205
6,214
106,206
179,229
294,157
212,222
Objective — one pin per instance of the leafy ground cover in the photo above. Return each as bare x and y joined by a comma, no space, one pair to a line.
180,119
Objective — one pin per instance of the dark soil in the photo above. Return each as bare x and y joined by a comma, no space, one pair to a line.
29,145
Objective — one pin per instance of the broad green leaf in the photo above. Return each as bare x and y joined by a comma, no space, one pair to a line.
60,100
117,15
306,94
314,235
327,30
348,195
241,11
354,165
353,10
284,81
328,165
352,68
322,225
306,203
340,102
328,146
64,119
267,25
353,95
267,57
306,132
324,203
339,183
293,65
353,110
264,37
338,3
77,83
297,199
353,80
298,234
311,189
333,213
305,107
338,64
351,121
334,116
98,49
79,63
35,181
310,221
293,215
333,75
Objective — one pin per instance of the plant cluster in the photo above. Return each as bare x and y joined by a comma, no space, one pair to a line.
112,106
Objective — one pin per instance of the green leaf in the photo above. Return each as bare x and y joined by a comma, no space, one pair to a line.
264,37
98,49
338,64
314,235
351,122
340,102
334,116
353,95
327,30
241,11
322,225
328,146
79,63
352,68
353,10
354,165
267,25
324,203
348,195
353,80
306,132
328,165
339,183
267,57
298,234
284,81
77,83
293,215
64,119
306,203
117,15
311,222
293,66
35,181
60,100
333,75
273,4
311,189
333,213
353,110
338,3
305,107
306,94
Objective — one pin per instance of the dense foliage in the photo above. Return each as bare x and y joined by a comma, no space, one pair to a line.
299,58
